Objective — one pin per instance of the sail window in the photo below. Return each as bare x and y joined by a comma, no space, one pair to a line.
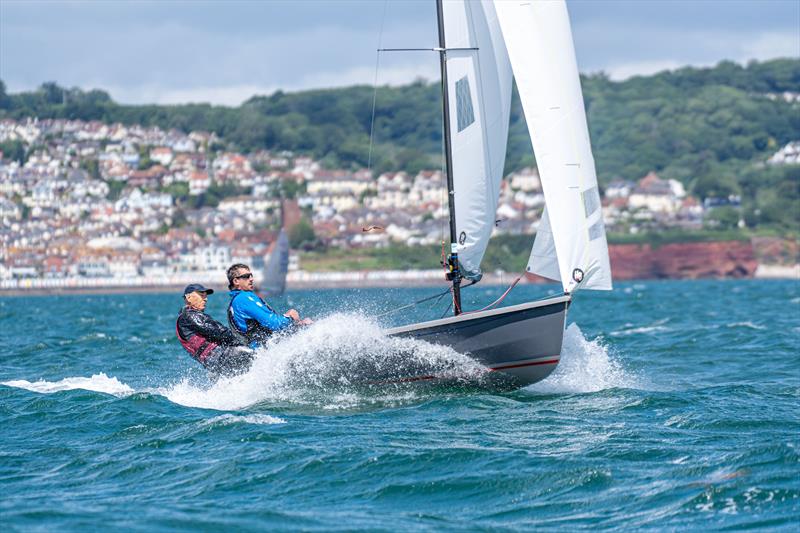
596,230
464,112
591,201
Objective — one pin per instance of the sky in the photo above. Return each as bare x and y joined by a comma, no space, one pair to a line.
224,52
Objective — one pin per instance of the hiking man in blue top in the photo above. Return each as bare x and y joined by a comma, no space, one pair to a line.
250,316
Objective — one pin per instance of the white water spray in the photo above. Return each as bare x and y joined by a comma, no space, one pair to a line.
586,366
323,364
327,365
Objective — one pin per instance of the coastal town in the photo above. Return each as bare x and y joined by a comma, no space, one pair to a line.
88,204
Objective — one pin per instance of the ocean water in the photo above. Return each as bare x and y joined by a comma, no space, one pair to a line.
676,406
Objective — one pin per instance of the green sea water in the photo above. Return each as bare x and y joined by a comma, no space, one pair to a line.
676,406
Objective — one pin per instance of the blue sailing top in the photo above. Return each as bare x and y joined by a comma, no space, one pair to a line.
253,318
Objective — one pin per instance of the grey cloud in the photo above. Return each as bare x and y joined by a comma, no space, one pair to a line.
165,50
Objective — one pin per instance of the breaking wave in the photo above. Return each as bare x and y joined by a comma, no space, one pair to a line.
746,324
97,383
228,419
630,329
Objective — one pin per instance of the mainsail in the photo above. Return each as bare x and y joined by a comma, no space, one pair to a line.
479,87
538,39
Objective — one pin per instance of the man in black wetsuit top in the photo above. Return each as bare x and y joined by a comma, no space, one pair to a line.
209,342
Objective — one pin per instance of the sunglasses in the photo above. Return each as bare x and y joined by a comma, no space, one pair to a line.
249,275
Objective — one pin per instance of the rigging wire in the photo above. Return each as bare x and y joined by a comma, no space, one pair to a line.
423,300
438,300
412,304
375,86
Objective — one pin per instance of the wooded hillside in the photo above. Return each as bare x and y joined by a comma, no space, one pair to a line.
711,128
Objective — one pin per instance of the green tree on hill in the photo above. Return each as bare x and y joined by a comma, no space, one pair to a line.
302,235
14,151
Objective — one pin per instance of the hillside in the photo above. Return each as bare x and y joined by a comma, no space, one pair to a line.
710,128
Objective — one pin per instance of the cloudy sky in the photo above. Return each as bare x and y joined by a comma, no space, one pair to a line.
176,51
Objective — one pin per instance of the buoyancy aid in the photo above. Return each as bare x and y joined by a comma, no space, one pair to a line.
198,346
255,332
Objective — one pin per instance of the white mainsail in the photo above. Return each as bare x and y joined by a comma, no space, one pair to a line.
479,87
538,39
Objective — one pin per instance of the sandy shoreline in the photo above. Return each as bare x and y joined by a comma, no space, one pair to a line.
778,272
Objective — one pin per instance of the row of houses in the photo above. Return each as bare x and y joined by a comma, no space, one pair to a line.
84,183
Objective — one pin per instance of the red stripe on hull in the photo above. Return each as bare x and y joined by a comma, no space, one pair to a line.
534,363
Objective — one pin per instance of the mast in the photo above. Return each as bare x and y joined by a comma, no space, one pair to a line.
454,273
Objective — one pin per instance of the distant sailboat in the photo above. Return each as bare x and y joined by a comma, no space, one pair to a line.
481,44
274,278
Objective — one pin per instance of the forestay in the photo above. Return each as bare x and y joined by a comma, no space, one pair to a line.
538,38
479,87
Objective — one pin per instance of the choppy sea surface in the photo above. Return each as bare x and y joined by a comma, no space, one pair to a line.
676,406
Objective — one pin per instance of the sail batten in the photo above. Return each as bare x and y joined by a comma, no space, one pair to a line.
570,245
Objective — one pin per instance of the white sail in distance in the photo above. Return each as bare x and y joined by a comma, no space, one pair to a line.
538,39
479,89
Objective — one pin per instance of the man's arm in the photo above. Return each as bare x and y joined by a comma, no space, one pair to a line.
213,330
252,307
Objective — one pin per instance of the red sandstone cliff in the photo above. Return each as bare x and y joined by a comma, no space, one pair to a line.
689,260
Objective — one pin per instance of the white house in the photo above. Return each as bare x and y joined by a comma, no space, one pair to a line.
526,180
199,183
655,195
162,155
788,155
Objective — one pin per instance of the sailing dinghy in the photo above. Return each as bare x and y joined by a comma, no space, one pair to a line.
482,44
277,267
